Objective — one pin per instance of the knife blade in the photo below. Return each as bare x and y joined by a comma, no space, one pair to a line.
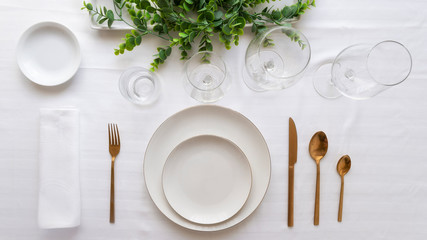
293,149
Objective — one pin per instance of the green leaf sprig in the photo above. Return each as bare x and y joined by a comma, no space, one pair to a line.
186,23
103,14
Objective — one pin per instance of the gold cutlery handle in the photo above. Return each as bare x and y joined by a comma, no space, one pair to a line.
341,200
316,205
112,217
291,197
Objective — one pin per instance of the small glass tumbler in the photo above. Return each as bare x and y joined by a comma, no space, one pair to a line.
206,77
139,85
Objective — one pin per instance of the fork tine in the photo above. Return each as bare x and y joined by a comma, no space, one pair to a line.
118,136
113,129
109,135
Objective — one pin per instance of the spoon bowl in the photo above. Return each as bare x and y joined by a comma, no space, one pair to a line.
344,165
318,146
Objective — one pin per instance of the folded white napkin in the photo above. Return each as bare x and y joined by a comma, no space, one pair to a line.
59,181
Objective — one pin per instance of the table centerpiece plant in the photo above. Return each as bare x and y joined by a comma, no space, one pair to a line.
185,23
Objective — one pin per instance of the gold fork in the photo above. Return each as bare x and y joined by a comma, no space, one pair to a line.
114,148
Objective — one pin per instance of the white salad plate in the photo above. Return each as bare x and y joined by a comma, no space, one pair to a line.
48,54
207,179
207,120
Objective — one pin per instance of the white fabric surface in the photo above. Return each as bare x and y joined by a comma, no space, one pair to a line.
385,190
59,175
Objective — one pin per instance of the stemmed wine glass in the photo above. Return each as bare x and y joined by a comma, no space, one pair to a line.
362,71
206,78
276,59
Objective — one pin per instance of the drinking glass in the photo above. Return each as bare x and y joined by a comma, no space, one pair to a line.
206,77
276,59
139,85
362,71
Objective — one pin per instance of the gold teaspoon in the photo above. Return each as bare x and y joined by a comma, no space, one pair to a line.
318,148
343,167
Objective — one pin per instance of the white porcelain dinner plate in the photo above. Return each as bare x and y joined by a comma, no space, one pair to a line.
48,54
207,120
207,179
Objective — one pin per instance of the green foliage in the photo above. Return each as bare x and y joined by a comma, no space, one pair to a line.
184,23
102,14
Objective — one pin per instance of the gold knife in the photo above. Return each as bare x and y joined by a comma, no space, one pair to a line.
293,149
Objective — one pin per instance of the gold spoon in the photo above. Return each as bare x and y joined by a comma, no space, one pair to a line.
318,148
343,167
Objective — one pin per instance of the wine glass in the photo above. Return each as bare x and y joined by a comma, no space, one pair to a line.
276,59
362,71
206,78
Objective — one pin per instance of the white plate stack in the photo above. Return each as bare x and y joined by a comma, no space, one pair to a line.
198,158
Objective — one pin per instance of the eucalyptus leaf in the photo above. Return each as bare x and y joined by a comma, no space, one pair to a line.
150,9
226,29
218,14
89,6
209,16
137,22
186,7
138,40
276,15
102,20
122,46
158,28
130,41
144,4
209,47
162,54
168,51
191,36
157,18
139,14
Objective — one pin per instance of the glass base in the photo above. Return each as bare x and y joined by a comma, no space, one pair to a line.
322,82
250,83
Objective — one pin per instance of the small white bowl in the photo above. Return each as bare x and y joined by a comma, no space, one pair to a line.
48,54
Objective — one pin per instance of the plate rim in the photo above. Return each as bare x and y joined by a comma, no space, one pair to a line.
210,228
27,33
246,162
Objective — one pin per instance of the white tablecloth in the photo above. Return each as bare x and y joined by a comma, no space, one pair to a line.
386,188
